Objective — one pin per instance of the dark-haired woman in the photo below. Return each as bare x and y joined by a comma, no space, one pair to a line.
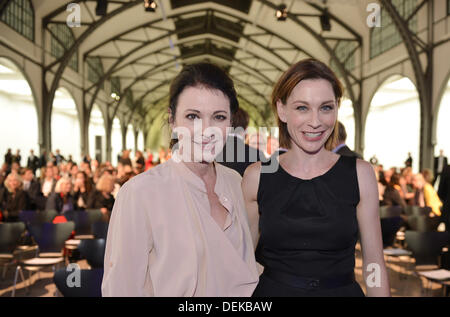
82,189
309,210
181,229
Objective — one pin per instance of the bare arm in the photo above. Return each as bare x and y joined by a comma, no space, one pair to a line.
374,269
250,183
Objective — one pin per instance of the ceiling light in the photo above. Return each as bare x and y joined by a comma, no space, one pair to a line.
102,7
150,5
281,12
325,21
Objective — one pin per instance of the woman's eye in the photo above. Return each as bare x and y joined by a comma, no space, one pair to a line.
327,107
302,108
192,116
221,117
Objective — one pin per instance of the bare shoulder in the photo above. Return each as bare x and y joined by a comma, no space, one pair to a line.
252,172
365,170
250,181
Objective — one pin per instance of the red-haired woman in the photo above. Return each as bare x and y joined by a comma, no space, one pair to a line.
310,210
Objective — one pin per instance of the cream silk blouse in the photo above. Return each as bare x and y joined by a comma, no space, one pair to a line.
162,240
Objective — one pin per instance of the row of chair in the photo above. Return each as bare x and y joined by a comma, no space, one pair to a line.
420,240
50,239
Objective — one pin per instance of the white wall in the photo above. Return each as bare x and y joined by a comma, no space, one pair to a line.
116,141
96,128
65,126
130,138
141,145
392,132
18,127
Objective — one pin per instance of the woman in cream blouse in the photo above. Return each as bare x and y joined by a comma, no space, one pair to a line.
181,229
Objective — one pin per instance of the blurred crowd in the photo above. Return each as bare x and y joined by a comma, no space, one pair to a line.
53,182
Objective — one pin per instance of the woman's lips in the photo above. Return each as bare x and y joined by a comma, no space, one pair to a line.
313,136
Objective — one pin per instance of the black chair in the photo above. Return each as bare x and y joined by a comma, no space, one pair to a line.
100,229
390,211
50,238
90,282
30,217
422,223
426,246
83,221
93,251
389,228
10,234
417,211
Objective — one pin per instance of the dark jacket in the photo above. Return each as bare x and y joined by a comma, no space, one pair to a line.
97,200
76,197
391,197
33,163
237,155
11,205
345,151
36,201
56,201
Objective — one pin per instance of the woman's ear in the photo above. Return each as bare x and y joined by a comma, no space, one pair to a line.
170,119
281,110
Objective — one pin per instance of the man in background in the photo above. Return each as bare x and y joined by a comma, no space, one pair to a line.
236,154
33,162
439,163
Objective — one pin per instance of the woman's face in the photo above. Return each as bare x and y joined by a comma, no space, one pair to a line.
201,120
14,184
66,187
310,113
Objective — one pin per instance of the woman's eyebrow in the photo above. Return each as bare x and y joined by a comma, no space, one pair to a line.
193,110
306,103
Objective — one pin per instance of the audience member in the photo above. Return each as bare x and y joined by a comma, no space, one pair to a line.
61,199
32,187
33,162
82,188
12,198
48,181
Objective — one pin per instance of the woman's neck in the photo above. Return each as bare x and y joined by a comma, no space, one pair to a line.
309,161
202,170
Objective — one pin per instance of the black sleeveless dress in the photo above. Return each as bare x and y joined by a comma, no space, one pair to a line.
308,231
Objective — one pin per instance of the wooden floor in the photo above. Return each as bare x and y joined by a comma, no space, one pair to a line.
403,282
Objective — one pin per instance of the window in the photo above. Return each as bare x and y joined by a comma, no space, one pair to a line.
62,39
387,36
129,99
345,52
115,85
94,69
19,15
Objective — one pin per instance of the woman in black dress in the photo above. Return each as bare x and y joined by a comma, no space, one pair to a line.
305,216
